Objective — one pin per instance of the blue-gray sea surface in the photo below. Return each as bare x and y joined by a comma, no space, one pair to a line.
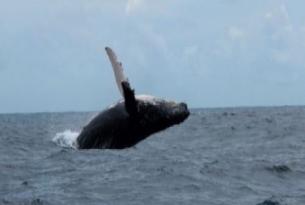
234,156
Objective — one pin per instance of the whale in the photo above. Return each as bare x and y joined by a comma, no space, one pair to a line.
132,119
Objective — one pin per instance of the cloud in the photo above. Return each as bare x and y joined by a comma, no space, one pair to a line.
278,19
279,14
284,37
148,8
235,33
133,5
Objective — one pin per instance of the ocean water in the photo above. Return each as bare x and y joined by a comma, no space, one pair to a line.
233,156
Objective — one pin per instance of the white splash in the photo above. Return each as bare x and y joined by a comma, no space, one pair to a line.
66,139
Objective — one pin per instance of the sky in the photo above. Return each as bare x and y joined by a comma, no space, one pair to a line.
208,53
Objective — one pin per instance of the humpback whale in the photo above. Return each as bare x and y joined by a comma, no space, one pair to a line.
132,119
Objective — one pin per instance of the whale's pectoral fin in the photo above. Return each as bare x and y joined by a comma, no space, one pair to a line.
123,84
130,99
117,68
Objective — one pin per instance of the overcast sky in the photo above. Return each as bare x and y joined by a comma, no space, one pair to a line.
208,53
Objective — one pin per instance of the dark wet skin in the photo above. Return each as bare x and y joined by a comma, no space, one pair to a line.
129,122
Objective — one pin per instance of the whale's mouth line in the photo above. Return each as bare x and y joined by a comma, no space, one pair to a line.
183,117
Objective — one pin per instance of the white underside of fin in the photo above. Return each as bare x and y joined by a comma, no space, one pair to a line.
117,69
120,77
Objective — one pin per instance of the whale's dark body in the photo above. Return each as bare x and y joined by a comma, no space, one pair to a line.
131,120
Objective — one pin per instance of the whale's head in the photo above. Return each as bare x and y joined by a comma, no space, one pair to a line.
158,114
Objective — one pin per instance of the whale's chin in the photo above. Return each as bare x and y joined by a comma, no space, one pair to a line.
181,113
